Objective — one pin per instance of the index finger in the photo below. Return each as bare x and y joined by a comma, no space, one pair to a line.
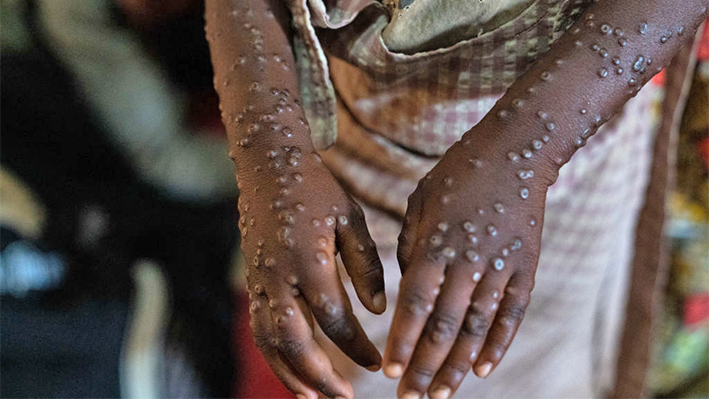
361,260
419,289
298,350
323,291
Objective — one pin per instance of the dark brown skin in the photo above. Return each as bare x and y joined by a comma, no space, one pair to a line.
479,208
558,104
294,216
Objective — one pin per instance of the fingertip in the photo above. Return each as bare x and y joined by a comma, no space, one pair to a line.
379,302
377,364
441,392
393,370
411,395
350,391
374,368
483,369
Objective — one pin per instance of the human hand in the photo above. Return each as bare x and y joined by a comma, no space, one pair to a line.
468,253
294,219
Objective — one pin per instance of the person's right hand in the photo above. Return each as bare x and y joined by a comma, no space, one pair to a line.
294,219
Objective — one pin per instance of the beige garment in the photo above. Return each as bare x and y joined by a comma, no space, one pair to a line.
424,25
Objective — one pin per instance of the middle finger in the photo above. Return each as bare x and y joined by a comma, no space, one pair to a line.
293,338
324,293
441,330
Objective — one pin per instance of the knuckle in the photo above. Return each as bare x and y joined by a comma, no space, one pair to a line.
337,328
524,296
442,327
476,324
458,367
373,268
290,347
323,387
403,241
422,370
405,245
520,291
401,257
513,313
497,345
333,323
324,384
262,339
415,303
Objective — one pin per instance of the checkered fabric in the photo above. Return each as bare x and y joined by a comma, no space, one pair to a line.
382,119
424,101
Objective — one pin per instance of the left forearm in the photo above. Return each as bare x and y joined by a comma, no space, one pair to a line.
599,64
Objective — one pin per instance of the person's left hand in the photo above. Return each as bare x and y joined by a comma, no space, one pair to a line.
468,252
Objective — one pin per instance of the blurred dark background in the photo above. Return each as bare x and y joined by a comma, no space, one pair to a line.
118,198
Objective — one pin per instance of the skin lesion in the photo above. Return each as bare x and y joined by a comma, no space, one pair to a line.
476,322
442,328
415,303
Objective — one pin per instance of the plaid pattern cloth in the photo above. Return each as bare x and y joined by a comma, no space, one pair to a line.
424,101
382,119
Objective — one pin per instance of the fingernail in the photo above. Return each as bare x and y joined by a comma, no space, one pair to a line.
301,396
374,367
380,301
393,370
483,370
411,395
442,392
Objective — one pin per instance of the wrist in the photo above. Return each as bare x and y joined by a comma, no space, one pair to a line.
260,140
266,169
525,151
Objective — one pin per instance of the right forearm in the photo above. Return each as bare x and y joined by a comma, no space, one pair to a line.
255,77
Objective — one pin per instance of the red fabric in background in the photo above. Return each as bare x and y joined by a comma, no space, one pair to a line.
202,113
703,147
254,378
703,50
696,309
